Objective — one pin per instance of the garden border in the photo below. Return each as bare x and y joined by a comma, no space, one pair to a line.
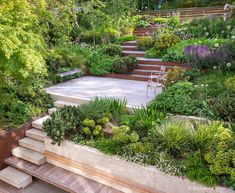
118,173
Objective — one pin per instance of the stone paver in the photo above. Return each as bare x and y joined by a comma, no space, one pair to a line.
89,87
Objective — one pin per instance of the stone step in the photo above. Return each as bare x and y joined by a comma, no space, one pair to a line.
134,53
29,155
127,77
15,177
38,124
149,67
61,104
36,134
52,110
32,144
129,48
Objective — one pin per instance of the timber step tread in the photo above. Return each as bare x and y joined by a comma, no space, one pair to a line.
36,134
32,144
29,155
38,124
59,177
15,177
52,110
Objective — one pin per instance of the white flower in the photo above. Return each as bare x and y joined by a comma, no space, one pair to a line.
196,85
233,37
202,85
205,28
222,31
216,45
207,33
229,64
228,26
214,67
206,85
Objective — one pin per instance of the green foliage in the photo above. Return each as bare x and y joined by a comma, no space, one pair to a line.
63,123
124,64
111,50
161,20
222,155
198,170
152,53
108,146
178,99
210,27
166,41
230,83
145,43
125,38
175,75
174,137
176,52
173,22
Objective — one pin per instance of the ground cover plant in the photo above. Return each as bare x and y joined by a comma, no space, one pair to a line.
182,148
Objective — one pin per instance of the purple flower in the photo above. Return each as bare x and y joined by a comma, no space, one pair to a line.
201,51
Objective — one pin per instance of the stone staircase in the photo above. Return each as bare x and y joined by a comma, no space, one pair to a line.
28,160
146,66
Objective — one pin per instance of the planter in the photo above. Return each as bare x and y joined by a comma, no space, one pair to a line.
118,173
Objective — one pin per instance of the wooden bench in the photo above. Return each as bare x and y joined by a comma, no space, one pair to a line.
69,73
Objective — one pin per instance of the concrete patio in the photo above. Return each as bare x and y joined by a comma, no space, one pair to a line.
88,87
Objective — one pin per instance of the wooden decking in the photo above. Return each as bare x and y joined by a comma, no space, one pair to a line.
59,177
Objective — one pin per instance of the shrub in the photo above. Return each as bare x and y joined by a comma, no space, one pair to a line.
166,41
111,50
230,83
175,75
64,122
173,22
91,37
225,106
152,53
124,64
176,52
145,43
99,64
160,20
125,38
178,99
174,137
198,170
222,155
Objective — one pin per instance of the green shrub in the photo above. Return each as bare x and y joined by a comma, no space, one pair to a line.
99,64
108,146
173,22
221,157
176,52
178,99
175,75
225,106
91,37
230,84
63,123
145,43
125,38
166,41
198,170
124,64
153,53
111,50
174,137
161,20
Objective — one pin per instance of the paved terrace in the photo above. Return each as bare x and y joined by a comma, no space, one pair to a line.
89,87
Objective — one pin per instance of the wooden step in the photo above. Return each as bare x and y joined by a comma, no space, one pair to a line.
52,110
129,48
151,67
61,104
129,43
38,124
29,155
126,77
15,177
32,144
134,53
59,177
145,72
36,134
